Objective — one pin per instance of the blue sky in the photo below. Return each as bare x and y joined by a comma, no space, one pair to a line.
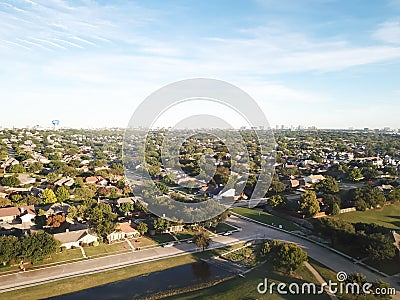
333,64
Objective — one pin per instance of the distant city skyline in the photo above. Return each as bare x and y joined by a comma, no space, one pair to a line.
324,63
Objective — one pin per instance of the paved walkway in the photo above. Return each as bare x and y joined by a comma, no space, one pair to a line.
320,279
130,244
83,252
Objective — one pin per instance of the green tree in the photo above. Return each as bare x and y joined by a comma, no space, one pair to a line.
202,240
49,196
160,224
126,208
327,186
83,193
309,204
10,248
16,169
289,256
330,202
102,218
355,174
62,194
142,228
35,167
336,209
277,201
11,181
380,247
38,246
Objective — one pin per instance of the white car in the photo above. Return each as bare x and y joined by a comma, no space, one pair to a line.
168,245
227,233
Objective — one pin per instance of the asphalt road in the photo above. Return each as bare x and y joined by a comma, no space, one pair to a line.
249,231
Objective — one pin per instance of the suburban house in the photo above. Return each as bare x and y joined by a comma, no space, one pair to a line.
57,208
174,228
9,162
26,179
123,230
314,178
96,180
10,214
228,195
125,200
67,181
76,238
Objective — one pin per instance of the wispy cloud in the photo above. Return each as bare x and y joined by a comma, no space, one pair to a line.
388,32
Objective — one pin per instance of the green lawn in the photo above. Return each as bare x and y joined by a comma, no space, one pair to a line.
246,288
265,217
223,227
55,258
388,216
105,249
162,238
64,256
142,242
187,234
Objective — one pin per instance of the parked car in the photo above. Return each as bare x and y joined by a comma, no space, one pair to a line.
168,245
227,233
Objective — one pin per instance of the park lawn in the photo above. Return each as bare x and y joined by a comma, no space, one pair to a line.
246,287
265,218
162,238
105,249
388,216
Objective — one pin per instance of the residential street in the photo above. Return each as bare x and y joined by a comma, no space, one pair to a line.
249,231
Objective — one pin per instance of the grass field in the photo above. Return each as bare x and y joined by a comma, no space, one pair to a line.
105,249
265,217
64,256
388,216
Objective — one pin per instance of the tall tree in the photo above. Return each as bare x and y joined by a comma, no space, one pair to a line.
49,196
142,228
289,256
202,240
62,194
309,204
